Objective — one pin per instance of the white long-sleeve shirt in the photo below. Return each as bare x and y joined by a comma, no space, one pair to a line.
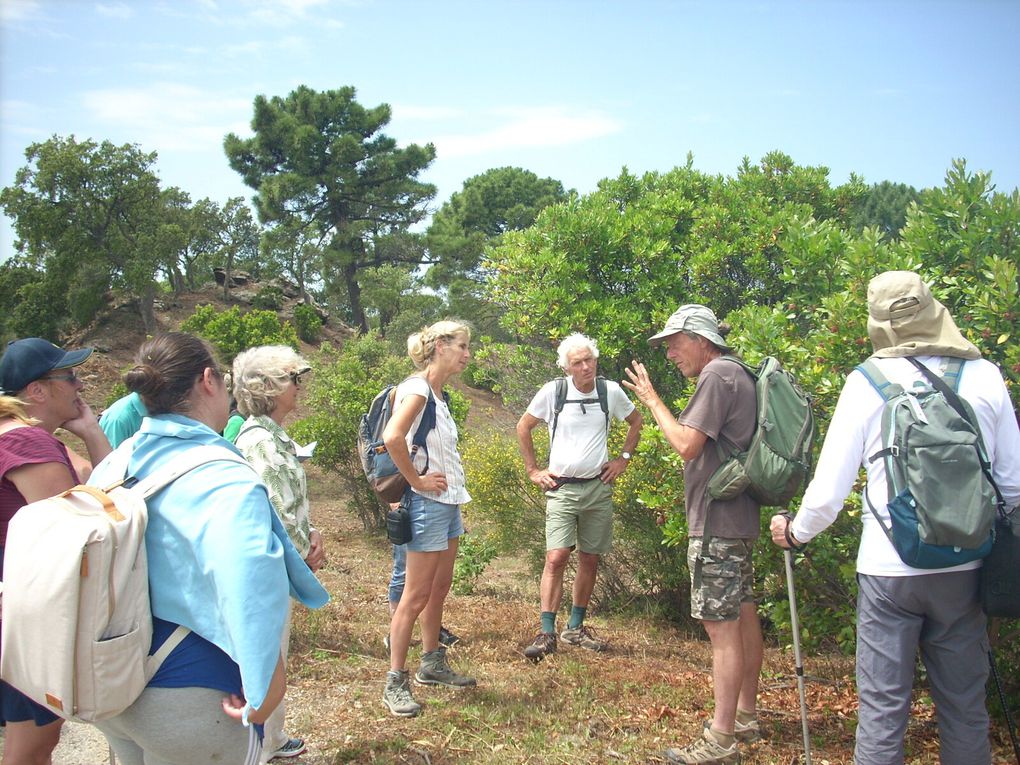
855,434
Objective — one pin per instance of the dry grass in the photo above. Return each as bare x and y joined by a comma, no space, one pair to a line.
652,690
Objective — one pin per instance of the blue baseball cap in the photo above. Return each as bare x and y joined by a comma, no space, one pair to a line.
30,358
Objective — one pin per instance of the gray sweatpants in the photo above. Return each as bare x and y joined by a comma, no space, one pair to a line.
940,614
180,726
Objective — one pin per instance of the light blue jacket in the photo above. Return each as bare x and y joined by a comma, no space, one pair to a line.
220,561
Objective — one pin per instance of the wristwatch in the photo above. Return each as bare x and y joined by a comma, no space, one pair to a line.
626,456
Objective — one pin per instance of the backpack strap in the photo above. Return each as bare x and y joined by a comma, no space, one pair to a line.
185,462
153,662
887,390
560,398
734,449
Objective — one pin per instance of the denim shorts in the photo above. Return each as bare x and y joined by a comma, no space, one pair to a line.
433,524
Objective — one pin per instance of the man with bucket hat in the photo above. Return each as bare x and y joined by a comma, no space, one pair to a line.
902,609
40,393
721,532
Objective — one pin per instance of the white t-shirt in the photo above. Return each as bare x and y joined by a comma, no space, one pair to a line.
441,443
855,434
579,449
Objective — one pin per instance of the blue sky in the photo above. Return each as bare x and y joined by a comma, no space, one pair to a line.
570,89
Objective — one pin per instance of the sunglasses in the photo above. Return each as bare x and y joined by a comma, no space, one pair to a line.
295,377
70,377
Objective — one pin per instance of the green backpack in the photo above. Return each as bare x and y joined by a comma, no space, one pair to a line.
942,499
777,462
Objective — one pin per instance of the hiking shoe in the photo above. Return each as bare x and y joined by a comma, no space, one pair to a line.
292,748
746,733
704,750
435,670
583,636
397,694
447,638
543,645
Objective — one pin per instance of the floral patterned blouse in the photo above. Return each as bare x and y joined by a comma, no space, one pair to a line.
274,456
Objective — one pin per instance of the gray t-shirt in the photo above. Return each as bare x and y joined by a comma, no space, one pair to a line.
723,404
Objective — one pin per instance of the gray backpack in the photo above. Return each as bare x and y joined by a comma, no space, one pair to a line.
942,499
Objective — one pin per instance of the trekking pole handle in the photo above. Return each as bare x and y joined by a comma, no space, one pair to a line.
794,544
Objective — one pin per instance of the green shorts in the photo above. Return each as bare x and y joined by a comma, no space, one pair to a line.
722,580
580,515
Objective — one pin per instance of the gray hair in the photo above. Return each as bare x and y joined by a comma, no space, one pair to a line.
574,342
421,346
261,374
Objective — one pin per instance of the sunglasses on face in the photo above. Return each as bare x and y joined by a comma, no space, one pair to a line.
70,377
295,377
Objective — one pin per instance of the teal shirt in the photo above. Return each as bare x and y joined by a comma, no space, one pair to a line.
123,419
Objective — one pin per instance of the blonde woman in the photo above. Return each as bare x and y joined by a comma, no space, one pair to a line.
438,352
266,383
41,391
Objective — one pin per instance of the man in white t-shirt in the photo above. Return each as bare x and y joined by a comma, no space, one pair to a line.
903,611
577,484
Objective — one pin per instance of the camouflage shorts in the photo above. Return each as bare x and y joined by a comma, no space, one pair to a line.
722,580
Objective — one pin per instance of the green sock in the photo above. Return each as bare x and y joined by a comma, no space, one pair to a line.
576,617
548,621
724,739
744,717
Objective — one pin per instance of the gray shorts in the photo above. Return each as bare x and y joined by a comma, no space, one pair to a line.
580,515
722,580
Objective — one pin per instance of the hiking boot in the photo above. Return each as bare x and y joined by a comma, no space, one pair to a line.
543,645
435,670
746,733
292,748
397,694
583,636
704,750
447,638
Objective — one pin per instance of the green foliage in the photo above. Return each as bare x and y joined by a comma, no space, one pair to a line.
617,262
34,306
514,371
231,331
269,298
473,555
885,207
308,323
320,163
117,392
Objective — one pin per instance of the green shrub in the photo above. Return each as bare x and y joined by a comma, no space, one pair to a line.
117,392
473,555
308,323
231,331
269,298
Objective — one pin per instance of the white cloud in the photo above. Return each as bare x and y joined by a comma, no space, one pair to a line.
115,10
12,11
169,116
541,127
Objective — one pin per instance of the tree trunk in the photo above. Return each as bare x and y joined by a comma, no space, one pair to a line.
358,318
145,307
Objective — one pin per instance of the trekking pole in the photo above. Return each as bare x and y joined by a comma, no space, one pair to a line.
788,557
1005,707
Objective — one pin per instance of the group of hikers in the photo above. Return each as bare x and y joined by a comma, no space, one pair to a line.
218,695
